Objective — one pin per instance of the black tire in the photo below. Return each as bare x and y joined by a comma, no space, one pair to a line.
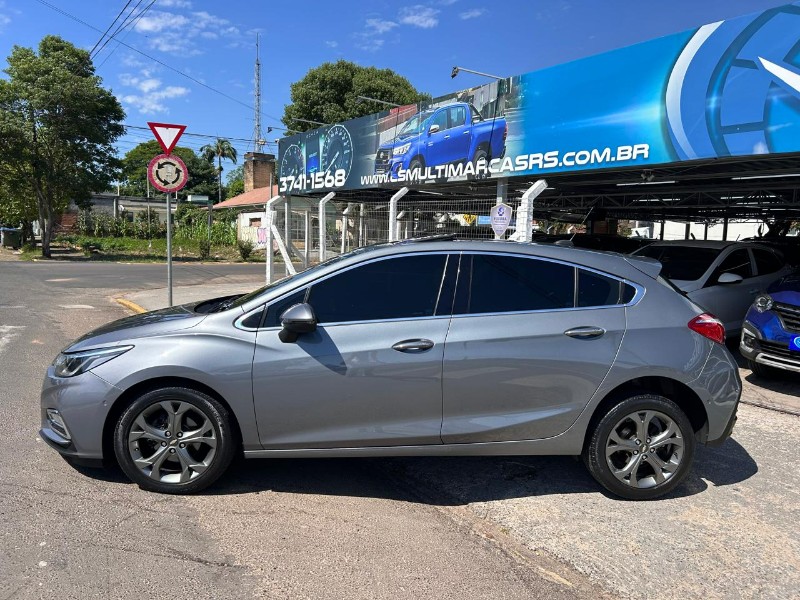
617,429
143,434
761,370
416,163
479,154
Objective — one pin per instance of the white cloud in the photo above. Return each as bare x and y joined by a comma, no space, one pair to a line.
4,18
149,96
472,13
177,33
379,26
370,44
150,104
331,43
175,4
419,16
158,21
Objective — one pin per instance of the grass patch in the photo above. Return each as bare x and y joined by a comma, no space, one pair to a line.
128,249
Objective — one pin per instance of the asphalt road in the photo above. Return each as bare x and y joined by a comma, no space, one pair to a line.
270,529
373,528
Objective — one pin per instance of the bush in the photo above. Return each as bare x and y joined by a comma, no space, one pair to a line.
205,250
245,248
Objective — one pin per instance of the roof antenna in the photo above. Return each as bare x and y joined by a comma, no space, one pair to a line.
583,222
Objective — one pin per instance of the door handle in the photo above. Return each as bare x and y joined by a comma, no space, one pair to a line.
447,137
413,345
585,333
466,133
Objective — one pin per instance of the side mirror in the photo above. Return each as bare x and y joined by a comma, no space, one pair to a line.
729,278
433,129
295,320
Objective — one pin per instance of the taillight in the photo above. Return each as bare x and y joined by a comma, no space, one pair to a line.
708,326
505,132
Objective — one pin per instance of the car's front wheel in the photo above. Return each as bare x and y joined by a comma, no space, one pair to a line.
642,448
174,440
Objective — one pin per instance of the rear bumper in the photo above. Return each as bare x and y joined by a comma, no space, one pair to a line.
727,432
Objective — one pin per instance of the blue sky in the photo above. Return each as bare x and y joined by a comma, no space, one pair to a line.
213,45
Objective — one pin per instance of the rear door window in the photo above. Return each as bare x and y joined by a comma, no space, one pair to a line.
597,290
494,283
767,261
683,263
737,262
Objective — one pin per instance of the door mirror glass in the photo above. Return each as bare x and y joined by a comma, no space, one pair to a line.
729,278
296,320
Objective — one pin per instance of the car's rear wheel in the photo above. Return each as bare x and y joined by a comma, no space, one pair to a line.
174,440
642,448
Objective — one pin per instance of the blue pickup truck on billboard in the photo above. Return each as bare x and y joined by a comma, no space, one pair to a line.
727,89
450,135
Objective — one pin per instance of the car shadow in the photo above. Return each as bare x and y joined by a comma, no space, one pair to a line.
455,481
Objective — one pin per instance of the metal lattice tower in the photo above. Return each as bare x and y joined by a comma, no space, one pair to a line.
258,137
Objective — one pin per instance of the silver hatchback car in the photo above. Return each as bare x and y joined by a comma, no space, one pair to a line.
435,347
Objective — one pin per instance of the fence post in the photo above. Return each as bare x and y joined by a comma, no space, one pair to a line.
345,219
269,217
323,232
307,240
524,232
393,213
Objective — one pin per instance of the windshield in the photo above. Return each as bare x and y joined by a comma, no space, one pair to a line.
683,263
416,123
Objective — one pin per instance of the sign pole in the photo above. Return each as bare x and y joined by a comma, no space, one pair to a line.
169,249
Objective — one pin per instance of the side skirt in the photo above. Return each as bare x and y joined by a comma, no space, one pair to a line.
561,445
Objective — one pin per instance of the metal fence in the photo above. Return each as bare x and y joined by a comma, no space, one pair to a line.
348,225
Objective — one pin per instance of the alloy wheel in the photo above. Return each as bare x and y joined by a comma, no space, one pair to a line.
644,449
172,441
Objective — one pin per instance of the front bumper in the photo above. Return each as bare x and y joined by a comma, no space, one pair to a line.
772,353
83,403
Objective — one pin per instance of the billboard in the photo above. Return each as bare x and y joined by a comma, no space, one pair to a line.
730,88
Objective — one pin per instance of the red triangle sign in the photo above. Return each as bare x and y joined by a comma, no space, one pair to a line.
166,134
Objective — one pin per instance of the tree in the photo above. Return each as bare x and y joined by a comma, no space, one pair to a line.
220,149
235,182
57,128
329,94
202,179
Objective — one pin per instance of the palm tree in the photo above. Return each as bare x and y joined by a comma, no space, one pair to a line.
220,149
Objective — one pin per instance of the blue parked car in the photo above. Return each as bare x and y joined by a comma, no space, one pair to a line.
771,331
448,135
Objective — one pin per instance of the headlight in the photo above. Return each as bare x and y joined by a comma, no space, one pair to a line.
69,364
763,303
400,150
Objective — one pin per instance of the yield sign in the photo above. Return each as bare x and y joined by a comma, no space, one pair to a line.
166,134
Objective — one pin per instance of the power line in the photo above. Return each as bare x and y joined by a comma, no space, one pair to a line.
119,14
201,135
129,20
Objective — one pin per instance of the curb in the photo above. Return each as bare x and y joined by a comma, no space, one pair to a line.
130,305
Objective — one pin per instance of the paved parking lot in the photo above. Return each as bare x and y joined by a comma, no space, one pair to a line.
431,527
